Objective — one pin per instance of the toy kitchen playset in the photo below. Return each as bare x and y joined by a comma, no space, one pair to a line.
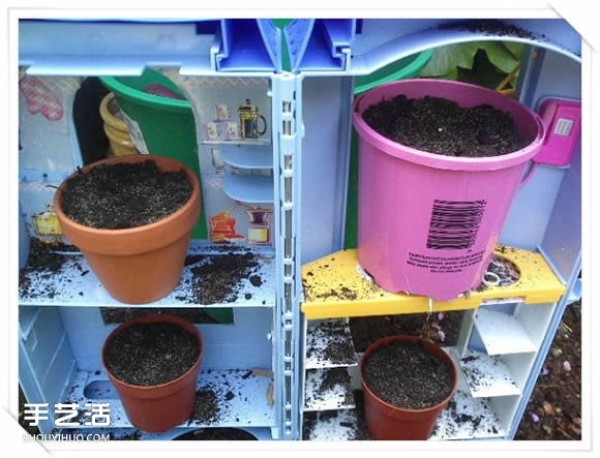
295,239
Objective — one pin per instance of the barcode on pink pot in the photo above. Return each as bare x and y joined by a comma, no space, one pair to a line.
454,224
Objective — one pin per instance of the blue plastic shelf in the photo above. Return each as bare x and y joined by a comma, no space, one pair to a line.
248,157
249,188
126,47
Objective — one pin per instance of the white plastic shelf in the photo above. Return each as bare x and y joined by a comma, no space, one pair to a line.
502,334
249,188
337,425
248,157
75,284
468,418
319,398
242,398
329,344
487,376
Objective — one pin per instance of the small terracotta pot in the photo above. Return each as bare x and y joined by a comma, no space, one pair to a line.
141,264
162,407
388,422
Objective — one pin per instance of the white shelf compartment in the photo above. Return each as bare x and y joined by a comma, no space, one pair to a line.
248,407
248,157
338,396
249,188
468,418
487,376
75,284
336,425
329,344
502,333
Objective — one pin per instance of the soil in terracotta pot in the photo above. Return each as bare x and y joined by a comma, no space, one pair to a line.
121,196
148,354
441,126
408,376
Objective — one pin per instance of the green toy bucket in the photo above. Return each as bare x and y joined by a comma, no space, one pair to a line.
405,68
408,67
159,124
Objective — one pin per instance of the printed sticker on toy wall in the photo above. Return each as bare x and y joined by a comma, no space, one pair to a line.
40,98
45,105
249,126
242,223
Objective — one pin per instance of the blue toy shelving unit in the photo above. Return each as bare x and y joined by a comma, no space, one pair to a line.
271,354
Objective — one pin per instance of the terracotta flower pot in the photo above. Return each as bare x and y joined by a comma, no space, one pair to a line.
389,422
141,264
161,407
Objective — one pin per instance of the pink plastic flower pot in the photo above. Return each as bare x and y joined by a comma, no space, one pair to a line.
404,191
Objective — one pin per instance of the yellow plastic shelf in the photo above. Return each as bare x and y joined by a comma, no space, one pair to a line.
334,288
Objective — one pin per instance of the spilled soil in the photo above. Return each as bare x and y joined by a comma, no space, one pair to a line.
492,27
44,262
206,409
217,279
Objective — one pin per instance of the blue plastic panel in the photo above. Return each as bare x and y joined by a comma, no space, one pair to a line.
320,44
109,47
46,362
126,47
324,163
383,41
249,45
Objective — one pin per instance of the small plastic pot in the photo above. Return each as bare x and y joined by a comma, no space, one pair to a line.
388,422
162,407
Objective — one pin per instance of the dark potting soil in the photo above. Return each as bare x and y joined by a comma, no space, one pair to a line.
408,376
216,279
441,126
112,315
367,330
217,434
148,354
121,196
488,27
206,409
339,349
45,260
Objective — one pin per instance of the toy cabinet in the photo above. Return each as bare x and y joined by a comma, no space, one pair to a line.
275,189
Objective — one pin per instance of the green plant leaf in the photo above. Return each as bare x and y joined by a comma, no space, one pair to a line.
516,49
500,56
445,59
503,55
